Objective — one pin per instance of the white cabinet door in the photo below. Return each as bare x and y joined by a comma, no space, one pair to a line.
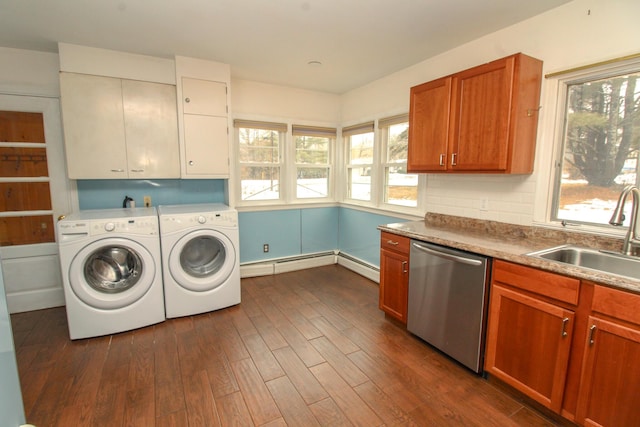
151,129
207,147
118,129
93,126
205,123
204,97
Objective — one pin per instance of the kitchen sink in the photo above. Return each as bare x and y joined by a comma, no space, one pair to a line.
604,261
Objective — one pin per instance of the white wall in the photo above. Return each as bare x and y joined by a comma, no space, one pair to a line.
576,34
255,101
26,72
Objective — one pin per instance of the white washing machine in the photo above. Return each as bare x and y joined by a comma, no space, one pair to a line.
200,258
111,269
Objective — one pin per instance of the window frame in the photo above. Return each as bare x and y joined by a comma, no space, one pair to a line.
559,84
282,129
384,126
287,163
347,133
318,131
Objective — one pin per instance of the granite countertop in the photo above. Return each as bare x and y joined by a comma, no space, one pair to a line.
512,243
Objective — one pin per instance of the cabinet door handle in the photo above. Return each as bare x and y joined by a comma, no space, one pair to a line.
117,170
565,322
442,156
404,266
592,331
137,170
391,242
454,159
187,100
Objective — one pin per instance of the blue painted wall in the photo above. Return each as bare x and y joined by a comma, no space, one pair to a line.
279,229
109,193
303,231
288,232
319,229
358,235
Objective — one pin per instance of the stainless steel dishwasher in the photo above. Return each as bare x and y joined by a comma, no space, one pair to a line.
447,299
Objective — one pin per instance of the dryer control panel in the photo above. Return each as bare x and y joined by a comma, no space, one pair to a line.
176,222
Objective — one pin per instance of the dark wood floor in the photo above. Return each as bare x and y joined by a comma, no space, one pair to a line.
302,349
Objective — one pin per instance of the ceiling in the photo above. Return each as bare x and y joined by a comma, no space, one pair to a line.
273,41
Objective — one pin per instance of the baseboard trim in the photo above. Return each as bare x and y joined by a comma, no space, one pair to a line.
357,266
283,265
35,300
301,264
286,265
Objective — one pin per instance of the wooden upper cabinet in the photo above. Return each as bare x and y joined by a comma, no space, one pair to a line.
429,121
483,119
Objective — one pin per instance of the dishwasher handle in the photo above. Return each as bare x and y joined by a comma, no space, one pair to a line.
445,255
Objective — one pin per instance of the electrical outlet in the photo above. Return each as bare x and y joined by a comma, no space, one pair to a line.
147,201
265,248
484,204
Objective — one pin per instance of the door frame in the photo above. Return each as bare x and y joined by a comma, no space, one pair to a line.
32,275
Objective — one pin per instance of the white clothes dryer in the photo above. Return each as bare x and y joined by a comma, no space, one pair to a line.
111,269
200,258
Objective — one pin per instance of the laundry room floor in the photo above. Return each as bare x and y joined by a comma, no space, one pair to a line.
304,348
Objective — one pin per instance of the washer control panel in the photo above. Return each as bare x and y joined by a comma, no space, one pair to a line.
137,226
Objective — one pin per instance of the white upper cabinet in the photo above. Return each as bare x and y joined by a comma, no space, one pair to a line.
204,97
204,115
205,124
118,129
151,129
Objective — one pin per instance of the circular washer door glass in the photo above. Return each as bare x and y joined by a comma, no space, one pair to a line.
113,269
202,256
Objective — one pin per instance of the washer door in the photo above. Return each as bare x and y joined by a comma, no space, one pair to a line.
112,273
202,260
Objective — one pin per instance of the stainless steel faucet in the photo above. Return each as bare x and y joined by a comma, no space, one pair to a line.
631,241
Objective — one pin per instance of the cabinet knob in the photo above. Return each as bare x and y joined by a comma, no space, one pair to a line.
191,162
187,100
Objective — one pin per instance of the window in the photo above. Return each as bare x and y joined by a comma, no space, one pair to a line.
260,159
313,161
600,142
400,188
359,142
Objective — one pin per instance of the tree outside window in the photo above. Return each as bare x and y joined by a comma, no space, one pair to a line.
600,149
360,158
313,161
400,188
259,158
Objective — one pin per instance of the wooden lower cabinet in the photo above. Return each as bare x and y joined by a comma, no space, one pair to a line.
572,346
610,381
394,275
528,344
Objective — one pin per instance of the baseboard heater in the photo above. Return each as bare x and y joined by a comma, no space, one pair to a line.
283,265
